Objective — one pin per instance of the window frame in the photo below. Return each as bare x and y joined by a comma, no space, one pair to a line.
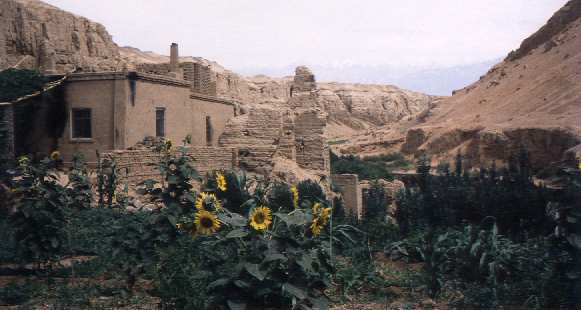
73,122
163,131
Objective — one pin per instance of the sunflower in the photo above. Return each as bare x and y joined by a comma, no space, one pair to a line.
205,199
168,145
317,226
295,193
23,161
54,156
260,218
206,223
326,214
221,182
316,208
321,218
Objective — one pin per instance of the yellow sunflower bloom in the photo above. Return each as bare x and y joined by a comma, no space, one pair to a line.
316,208
23,161
168,145
206,223
221,182
326,214
54,156
317,226
295,193
260,218
200,201
207,199
321,218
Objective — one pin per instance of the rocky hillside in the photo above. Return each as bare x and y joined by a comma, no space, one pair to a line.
31,31
531,99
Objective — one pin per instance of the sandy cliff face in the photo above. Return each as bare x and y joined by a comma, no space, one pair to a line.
34,34
532,99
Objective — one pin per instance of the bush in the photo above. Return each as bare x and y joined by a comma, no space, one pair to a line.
364,168
15,83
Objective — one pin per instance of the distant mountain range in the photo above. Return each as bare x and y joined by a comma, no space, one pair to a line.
437,81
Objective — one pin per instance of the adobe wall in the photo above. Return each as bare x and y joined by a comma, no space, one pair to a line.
123,111
140,114
105,95
142,164
219,112
348,185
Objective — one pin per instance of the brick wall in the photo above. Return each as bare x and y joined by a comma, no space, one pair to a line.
348,185
142,164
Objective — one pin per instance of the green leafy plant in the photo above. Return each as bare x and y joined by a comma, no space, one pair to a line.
40,211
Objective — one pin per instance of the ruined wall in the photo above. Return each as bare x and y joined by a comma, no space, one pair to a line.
312,150
348,185
202,77
141,165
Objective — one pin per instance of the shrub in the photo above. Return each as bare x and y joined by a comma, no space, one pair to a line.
40,211
365,169
15,83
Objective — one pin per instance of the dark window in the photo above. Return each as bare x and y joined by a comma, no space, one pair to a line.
209,130
160,122
81,123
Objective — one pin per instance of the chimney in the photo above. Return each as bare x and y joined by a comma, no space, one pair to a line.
174,62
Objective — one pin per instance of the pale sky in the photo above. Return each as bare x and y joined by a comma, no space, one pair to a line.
272,36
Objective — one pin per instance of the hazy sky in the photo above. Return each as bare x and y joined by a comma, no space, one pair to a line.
255,36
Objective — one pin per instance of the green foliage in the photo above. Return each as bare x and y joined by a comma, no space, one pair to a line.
511,197
366,169
79,187
280,197
107,181
179,277
268,269
310,192
15,83
40,211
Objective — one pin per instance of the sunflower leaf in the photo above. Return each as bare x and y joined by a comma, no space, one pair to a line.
218,283
294,291
254,271
236,305
233,219
237,233
294,218
273,257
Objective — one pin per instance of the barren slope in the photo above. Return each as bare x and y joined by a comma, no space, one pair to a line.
532,99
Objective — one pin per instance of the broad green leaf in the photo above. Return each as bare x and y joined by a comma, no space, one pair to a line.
233,219
237,233
236,305
294,218
254,270
273,257
294,291
219,283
